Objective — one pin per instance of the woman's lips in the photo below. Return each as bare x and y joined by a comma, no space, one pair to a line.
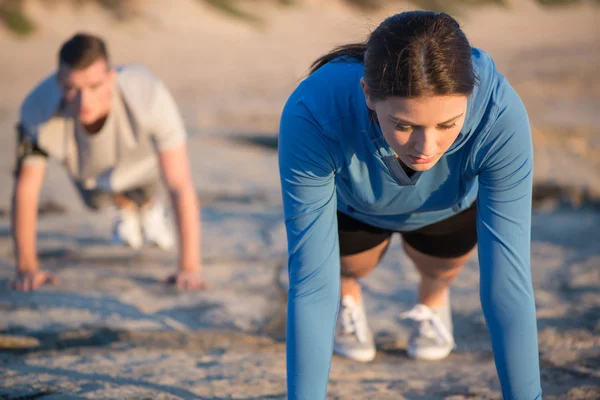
421,160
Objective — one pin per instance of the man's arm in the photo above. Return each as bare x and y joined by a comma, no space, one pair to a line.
170,138
176,171
25,199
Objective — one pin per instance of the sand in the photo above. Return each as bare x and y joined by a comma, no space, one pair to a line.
111,330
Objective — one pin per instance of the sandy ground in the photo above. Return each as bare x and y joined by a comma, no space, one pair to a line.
110,330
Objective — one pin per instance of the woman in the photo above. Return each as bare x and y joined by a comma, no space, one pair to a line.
414,132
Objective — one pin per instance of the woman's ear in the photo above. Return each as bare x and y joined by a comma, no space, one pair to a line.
367,93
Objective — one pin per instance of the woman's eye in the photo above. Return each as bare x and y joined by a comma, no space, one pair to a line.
447,126
403,128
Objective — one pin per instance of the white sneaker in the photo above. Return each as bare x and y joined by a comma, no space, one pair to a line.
156,227
431,337
127,229
353,338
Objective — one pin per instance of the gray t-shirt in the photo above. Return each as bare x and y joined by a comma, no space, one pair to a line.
143,120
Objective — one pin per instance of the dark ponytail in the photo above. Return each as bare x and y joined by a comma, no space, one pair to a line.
353,50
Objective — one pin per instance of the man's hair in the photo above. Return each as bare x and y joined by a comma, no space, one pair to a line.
82,50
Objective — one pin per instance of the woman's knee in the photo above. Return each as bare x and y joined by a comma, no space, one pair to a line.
438,268
356,270
359,265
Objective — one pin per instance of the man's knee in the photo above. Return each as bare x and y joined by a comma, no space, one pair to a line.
141,196
96,200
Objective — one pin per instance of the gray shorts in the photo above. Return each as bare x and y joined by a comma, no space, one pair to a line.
98,199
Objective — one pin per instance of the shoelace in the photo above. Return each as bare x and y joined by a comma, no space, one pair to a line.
422,313
353,321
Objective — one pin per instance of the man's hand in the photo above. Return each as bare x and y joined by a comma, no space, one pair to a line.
24,213
177,174
187,280
32,280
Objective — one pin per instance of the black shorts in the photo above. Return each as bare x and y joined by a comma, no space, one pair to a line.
450,238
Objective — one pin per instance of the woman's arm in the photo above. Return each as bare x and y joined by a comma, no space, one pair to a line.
307,182
504,234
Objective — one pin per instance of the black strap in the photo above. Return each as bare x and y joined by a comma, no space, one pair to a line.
26,147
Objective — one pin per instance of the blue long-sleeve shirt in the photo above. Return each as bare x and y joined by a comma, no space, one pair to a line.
332,156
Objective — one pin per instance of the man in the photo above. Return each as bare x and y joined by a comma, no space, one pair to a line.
116,131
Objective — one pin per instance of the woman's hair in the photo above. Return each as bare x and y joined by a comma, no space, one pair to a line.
413,54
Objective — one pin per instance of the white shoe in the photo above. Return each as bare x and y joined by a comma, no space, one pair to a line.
156,227
127,229
431,337
353,338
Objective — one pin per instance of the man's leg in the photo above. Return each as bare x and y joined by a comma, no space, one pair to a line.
126,229
156,226
123,202
140,197
135,206
94,199
127,226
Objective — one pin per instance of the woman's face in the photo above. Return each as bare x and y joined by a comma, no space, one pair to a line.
419,130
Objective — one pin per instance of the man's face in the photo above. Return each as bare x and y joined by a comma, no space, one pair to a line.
88,91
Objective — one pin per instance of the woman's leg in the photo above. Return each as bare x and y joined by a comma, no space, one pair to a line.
361,248
356,266
439,251
436,274
353,338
